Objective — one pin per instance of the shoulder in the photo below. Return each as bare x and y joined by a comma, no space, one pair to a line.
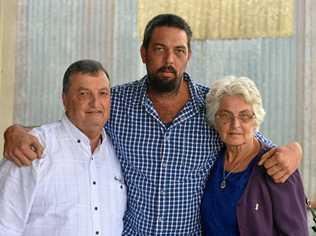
198,88
46,131
49,134
127,89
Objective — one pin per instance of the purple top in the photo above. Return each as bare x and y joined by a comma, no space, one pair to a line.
269,209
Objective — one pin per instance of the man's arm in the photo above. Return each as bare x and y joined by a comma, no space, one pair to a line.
281,162
20,146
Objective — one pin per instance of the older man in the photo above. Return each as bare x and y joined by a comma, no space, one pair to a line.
77,187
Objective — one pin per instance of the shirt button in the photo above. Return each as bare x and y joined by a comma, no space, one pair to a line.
94,182
164,164
97,232
95,208
159,219
78,141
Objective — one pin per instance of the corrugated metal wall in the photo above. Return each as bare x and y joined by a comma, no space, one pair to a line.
306,78
52,34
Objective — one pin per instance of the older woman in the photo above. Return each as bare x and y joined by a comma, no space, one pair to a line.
240,198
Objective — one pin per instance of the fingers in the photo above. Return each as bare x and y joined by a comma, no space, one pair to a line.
278,174
273,170
276,164
21,147
22,157
37,148
282,179
267,156
16,161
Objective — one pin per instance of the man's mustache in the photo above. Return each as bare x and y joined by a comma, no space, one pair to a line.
167,69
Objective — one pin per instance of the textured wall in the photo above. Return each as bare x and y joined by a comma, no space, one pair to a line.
307,85
7,65
51,35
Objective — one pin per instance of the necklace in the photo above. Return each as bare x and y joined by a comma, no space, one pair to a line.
223,183
225,176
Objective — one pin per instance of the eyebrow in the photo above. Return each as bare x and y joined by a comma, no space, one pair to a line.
103,88
163,45
224,110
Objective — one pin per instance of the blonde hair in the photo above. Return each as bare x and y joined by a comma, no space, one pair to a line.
234,86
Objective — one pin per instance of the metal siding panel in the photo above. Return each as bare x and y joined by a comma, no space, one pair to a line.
53,34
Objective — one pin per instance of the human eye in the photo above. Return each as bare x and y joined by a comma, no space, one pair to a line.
180,51
224,117
104,93
246,116
83,93
159,49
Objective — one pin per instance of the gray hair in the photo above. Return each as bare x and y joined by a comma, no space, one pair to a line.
86,66
234,86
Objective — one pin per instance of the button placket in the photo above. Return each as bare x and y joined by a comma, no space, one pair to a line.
95,201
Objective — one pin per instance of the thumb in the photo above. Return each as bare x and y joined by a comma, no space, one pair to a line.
266,156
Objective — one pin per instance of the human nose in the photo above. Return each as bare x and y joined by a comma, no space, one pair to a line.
169,57
234,121
94,100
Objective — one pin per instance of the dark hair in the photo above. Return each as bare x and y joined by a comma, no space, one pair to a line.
87,66
169,20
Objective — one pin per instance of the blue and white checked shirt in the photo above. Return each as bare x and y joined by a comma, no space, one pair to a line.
165,168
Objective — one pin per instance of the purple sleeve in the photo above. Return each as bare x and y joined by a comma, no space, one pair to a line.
288,203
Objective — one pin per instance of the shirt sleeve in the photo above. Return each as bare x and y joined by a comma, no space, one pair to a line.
17,188
264,139
288,202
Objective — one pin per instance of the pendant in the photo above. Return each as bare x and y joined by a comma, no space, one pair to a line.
223,184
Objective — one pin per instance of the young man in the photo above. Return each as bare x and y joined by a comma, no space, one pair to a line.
77,187
159,131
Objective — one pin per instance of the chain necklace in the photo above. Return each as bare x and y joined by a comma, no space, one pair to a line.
223,183
225,176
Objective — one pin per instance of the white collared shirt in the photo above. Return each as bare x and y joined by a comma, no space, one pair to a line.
68,192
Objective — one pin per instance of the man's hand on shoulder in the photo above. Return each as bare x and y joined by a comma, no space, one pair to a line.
20,146
281,162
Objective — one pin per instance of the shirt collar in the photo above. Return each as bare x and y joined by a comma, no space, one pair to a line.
76,133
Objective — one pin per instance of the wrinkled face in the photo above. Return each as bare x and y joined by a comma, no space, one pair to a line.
166,58
87,102
235,121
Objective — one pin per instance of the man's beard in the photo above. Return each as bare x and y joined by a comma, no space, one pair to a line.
164,85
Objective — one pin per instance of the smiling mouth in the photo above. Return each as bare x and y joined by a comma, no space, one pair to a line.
94,112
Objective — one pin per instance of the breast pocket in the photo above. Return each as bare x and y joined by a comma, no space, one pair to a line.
118,188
